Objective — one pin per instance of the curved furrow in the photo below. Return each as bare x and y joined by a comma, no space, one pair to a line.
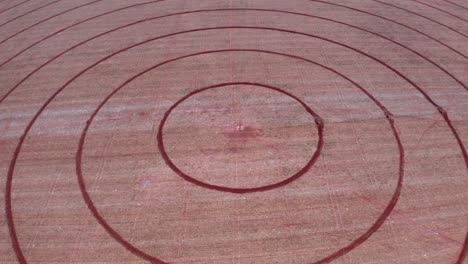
49,18
29,12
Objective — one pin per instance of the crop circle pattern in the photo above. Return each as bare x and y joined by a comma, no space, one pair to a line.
75,77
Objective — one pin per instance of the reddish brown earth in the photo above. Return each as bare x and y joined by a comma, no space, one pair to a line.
253,131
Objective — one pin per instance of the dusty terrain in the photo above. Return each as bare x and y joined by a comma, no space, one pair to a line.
249,131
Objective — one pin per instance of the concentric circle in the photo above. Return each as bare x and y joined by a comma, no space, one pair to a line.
356,242
386,50
288,179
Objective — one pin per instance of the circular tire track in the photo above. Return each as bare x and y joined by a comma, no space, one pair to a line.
11,7
394,22
294,13
388,115
356,242
47,19
453,3
441,10
29,12
425,17
189,12
59,55
295,176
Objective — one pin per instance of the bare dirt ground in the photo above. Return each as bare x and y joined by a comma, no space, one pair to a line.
248,131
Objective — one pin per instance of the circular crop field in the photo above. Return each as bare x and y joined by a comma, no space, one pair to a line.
249,131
